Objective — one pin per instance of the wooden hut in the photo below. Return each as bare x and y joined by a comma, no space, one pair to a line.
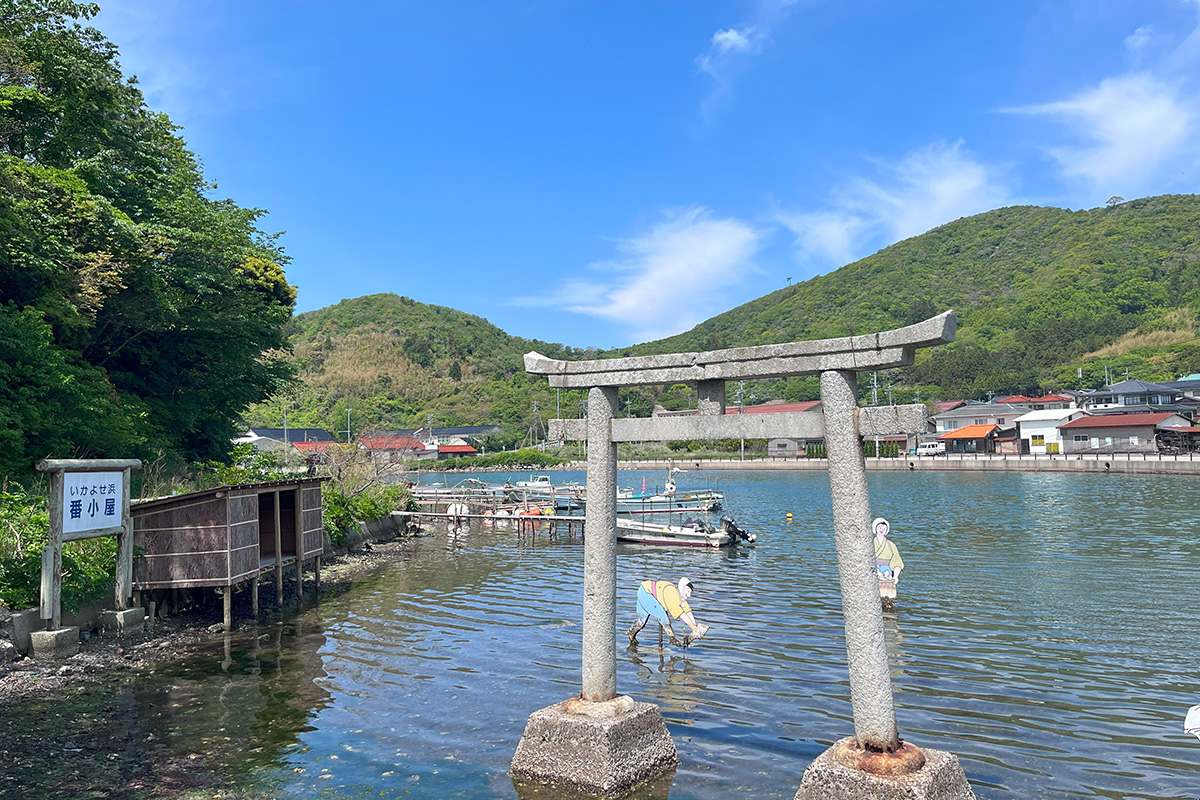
228,536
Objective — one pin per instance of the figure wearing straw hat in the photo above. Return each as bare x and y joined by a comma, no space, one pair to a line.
665,601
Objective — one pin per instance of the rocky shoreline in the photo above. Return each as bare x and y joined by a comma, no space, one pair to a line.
66,727
102,657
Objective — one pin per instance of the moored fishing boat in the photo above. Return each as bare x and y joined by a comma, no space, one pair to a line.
692,533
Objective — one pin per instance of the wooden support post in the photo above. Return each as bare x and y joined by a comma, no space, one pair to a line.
228,598
254,596
52,557
278,554
124,586
137,598
298,538
150,618
317,576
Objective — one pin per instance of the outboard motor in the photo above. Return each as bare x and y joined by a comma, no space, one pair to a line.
730,526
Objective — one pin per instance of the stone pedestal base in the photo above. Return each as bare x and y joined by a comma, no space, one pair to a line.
941,778
600,749
118,621
53,645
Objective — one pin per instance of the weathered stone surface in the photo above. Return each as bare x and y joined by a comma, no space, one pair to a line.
8,651
57,644
600,552
119,621
22,624
710,398
602,749
884,350
941,778
870,678
872,421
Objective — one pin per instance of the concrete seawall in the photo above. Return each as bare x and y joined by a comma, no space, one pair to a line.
1113,463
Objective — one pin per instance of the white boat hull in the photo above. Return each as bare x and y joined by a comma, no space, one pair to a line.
669,535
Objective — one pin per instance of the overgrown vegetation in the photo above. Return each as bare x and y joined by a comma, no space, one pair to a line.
88,565
137,314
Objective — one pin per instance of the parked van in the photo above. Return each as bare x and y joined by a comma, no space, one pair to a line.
931,449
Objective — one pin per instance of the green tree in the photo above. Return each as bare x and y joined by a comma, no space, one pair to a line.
137,314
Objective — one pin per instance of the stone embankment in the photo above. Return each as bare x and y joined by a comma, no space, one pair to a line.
1125,463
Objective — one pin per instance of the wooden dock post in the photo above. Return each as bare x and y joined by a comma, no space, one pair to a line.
227,596
254,596
278,554
317,576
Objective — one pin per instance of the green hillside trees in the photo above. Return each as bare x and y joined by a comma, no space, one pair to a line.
137,314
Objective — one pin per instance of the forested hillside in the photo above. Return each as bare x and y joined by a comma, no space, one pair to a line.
138,315
1040,293
395,363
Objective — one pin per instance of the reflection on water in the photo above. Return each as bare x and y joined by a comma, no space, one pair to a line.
1045,633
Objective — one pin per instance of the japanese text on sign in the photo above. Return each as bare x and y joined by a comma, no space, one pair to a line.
92,500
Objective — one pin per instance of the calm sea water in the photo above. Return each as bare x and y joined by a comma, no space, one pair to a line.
1047,633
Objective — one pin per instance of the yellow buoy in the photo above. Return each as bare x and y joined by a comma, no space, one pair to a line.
789,516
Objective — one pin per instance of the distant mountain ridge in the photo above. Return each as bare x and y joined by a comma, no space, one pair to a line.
1042,295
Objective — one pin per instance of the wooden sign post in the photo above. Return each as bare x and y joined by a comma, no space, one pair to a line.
88,498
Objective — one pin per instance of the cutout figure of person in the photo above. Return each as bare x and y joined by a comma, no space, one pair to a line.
887,557
665,601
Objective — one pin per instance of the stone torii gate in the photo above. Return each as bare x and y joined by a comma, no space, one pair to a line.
604,743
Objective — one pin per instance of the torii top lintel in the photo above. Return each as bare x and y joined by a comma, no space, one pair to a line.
883,350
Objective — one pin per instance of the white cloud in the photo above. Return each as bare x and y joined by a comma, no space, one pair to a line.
728,48
667,280
1138,40
1128,128
926,188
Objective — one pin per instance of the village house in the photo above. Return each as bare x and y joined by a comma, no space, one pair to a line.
1044,403
1139,397
385,450
975,438
999,414
1038,430
1118,433
461,434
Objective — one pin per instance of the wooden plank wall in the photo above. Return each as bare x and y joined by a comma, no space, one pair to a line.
313,541
243,534
183,545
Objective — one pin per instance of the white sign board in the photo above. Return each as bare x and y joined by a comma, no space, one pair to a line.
92,500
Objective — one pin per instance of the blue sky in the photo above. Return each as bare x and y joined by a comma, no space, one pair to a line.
604,173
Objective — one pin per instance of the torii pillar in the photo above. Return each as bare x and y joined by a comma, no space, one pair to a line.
605,743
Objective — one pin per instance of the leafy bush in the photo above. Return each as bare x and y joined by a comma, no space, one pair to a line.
88,566
369,504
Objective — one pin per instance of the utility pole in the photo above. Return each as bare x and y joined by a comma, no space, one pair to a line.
874,388
347,431
285,429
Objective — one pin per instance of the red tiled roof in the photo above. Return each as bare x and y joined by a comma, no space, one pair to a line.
1052,398
315,447
456,448
949,405
775,408
392,443
970,432
1117,420
1016,398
